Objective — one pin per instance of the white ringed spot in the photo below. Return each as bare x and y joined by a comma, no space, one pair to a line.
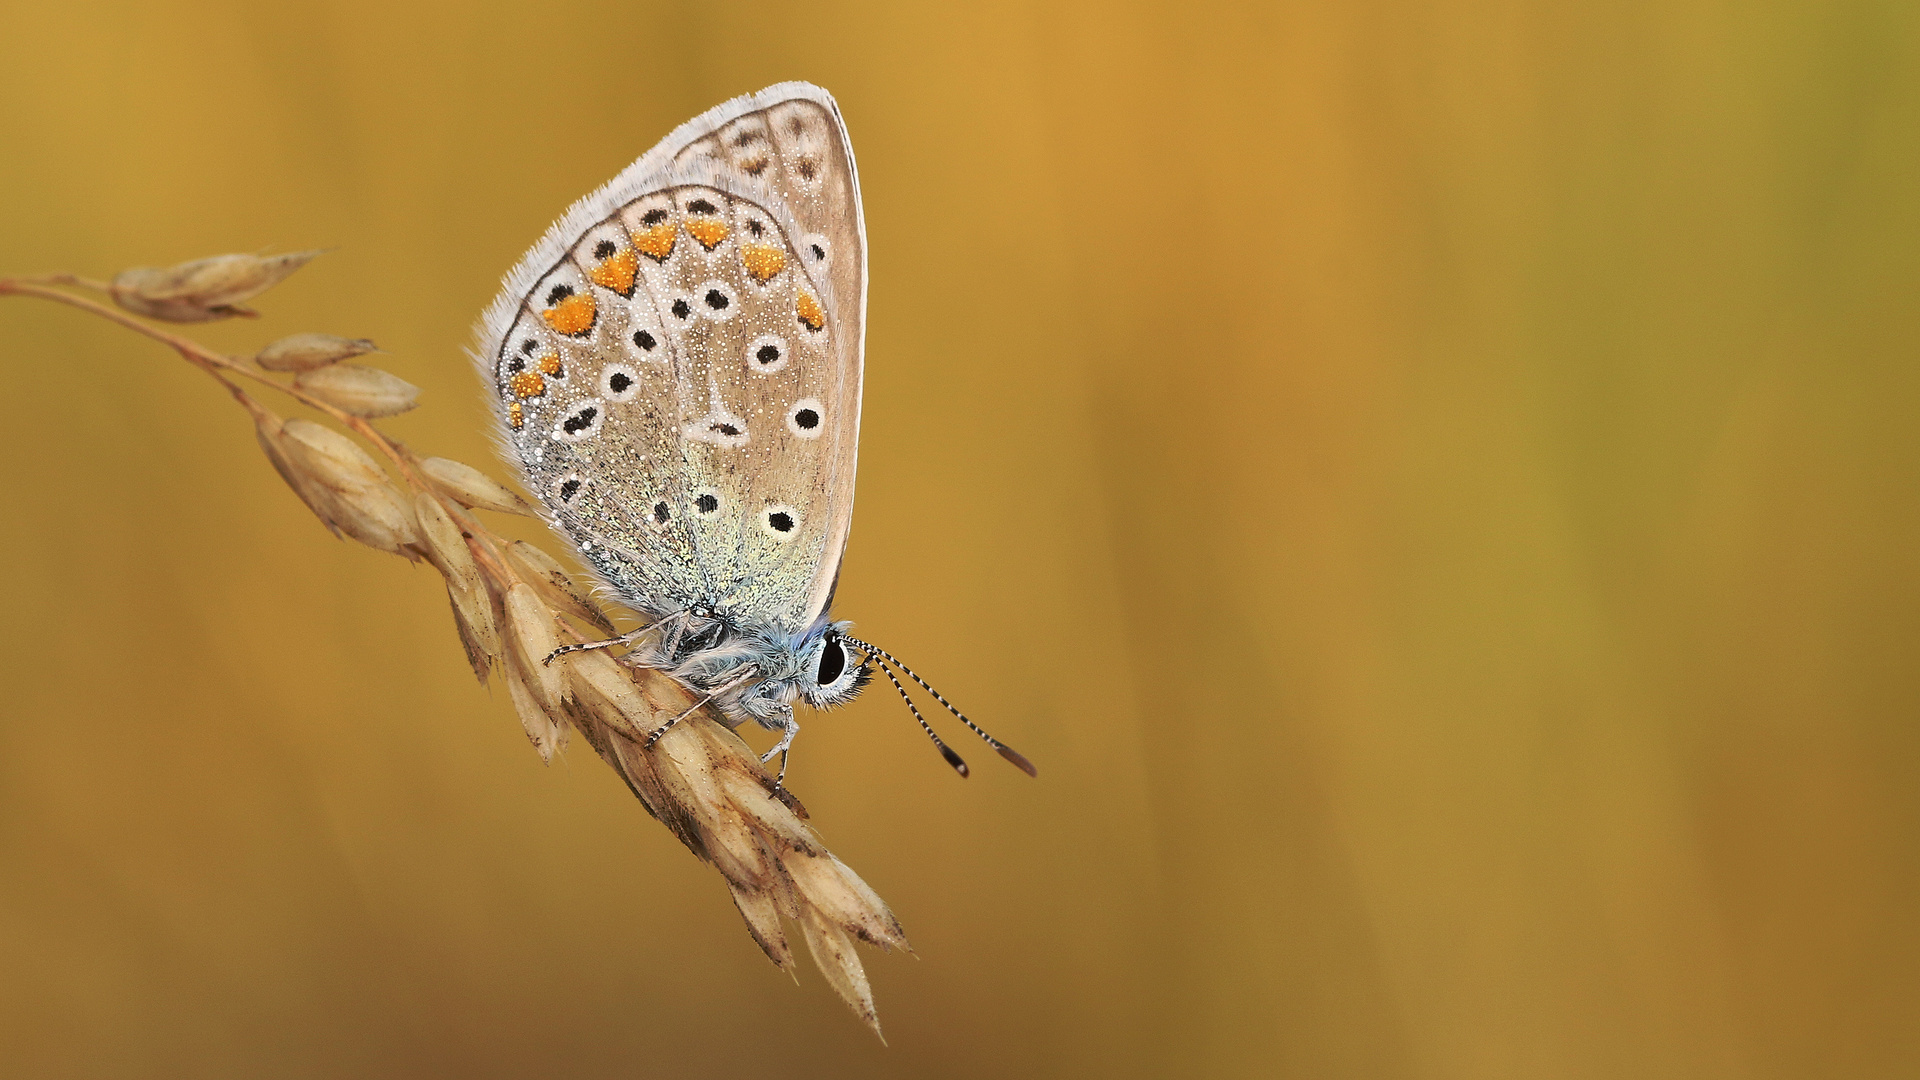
768,353
806,418
721,428
618,382
716,300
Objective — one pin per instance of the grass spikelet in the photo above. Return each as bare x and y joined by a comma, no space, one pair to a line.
270,430
446,545
205,289
530,640
357,496
543,730
762,914
305,352
360,390
472,488
833,954
473,620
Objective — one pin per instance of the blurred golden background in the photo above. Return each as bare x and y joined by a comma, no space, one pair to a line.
1433,486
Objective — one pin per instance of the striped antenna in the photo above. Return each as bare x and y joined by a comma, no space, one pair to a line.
999,747
946,751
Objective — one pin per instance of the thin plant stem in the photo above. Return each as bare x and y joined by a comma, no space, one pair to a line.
206,359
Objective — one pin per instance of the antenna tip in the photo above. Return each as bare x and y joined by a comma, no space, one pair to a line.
954,760
1015,756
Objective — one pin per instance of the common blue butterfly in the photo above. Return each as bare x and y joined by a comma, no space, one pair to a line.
675,368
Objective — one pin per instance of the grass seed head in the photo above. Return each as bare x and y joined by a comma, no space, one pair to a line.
473,488
205,289
699,778
360,391
531,639
305,352
445,543
543,731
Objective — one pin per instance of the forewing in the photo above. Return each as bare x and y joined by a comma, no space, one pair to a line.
677,365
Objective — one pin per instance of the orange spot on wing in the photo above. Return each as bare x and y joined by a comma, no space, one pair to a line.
550,363
526,384
655,243
516,416
572,316
616,272
809,311
708,231
763,261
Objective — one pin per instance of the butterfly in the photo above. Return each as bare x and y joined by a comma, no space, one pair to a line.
675,370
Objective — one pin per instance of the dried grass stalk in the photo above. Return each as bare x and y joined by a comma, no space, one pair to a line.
508,598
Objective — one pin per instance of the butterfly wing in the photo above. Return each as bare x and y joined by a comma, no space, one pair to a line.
676,366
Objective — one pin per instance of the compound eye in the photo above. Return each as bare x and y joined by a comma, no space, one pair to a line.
833,663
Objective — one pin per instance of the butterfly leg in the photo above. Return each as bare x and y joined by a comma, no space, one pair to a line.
654,735
787,733
623,639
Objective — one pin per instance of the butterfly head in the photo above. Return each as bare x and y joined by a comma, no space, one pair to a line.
818,668
834,674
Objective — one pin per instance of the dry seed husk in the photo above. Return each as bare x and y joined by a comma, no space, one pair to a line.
379,517
330,457
541,571
747,796
763,922
542,729
472,487
305,352
829,886
479,656
833,954
662,790
445,543
617,701
268,429
362,503
731,843
204,289
530,632
360,391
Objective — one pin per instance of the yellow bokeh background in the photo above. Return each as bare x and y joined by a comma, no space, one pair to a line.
1432,485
